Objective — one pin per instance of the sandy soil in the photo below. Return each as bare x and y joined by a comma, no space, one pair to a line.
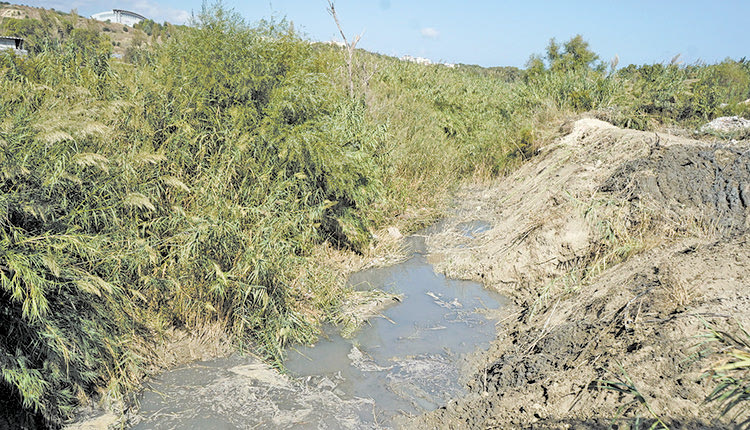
618,249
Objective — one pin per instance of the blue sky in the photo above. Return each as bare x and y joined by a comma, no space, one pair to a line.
492,33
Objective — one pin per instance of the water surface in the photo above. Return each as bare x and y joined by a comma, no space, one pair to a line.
407,361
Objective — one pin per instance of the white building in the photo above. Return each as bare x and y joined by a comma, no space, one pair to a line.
418,60
425,61
336,43
119,16
12,43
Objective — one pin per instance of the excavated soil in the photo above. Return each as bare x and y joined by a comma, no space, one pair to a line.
619,248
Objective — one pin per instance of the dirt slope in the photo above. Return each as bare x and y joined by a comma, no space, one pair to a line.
617,247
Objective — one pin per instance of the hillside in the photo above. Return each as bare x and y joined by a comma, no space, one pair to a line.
38,23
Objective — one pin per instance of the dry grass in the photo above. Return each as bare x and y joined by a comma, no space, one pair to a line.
675,295
731,371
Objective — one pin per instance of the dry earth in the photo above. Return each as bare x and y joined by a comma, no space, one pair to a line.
618,248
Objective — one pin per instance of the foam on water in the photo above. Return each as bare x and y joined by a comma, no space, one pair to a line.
407,361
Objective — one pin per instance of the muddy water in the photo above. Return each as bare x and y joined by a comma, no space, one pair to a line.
407,361
472,229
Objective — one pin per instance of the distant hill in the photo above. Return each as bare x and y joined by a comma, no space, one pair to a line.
35,24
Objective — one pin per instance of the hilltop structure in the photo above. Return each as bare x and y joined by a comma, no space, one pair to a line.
12,43
119,16
424,61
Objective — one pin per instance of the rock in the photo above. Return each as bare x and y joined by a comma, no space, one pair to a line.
727,124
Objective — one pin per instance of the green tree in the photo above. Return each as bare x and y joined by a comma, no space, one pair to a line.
535,66
574,54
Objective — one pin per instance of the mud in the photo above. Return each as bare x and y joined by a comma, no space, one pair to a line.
619,248
713,182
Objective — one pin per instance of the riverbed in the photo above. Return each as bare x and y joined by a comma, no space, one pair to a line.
410,359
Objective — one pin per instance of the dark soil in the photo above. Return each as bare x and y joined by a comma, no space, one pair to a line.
715,181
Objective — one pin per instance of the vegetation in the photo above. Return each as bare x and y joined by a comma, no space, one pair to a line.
623,384
641,97
152,28
731,371
193,182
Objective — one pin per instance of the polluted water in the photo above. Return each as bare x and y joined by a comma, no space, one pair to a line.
411,359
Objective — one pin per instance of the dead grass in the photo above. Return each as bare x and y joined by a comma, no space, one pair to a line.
675,295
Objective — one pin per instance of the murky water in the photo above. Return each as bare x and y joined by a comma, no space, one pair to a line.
405,362
473,228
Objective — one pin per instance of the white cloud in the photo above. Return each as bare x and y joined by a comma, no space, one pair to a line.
429,32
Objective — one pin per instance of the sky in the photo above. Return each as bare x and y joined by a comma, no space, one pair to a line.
490,33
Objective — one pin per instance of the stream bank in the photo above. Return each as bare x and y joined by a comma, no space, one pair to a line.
622,252
414,356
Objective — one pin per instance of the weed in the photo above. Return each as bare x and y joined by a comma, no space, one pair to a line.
731,372
622,383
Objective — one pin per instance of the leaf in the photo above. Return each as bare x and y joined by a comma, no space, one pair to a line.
95,285
51,264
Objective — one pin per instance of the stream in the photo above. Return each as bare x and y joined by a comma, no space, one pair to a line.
411,359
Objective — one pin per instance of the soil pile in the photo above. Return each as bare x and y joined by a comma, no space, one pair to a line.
619,248
712,182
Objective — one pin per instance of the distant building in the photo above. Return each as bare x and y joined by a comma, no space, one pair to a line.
336,43
425,61
12,43
418,60
119,16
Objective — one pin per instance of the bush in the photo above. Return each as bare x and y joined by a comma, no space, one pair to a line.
193,196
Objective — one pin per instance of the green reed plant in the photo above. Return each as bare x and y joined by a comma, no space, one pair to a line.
730,371
185,190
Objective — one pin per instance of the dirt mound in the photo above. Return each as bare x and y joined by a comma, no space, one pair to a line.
713,183
619,248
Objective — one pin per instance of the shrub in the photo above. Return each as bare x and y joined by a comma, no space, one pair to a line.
194,195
